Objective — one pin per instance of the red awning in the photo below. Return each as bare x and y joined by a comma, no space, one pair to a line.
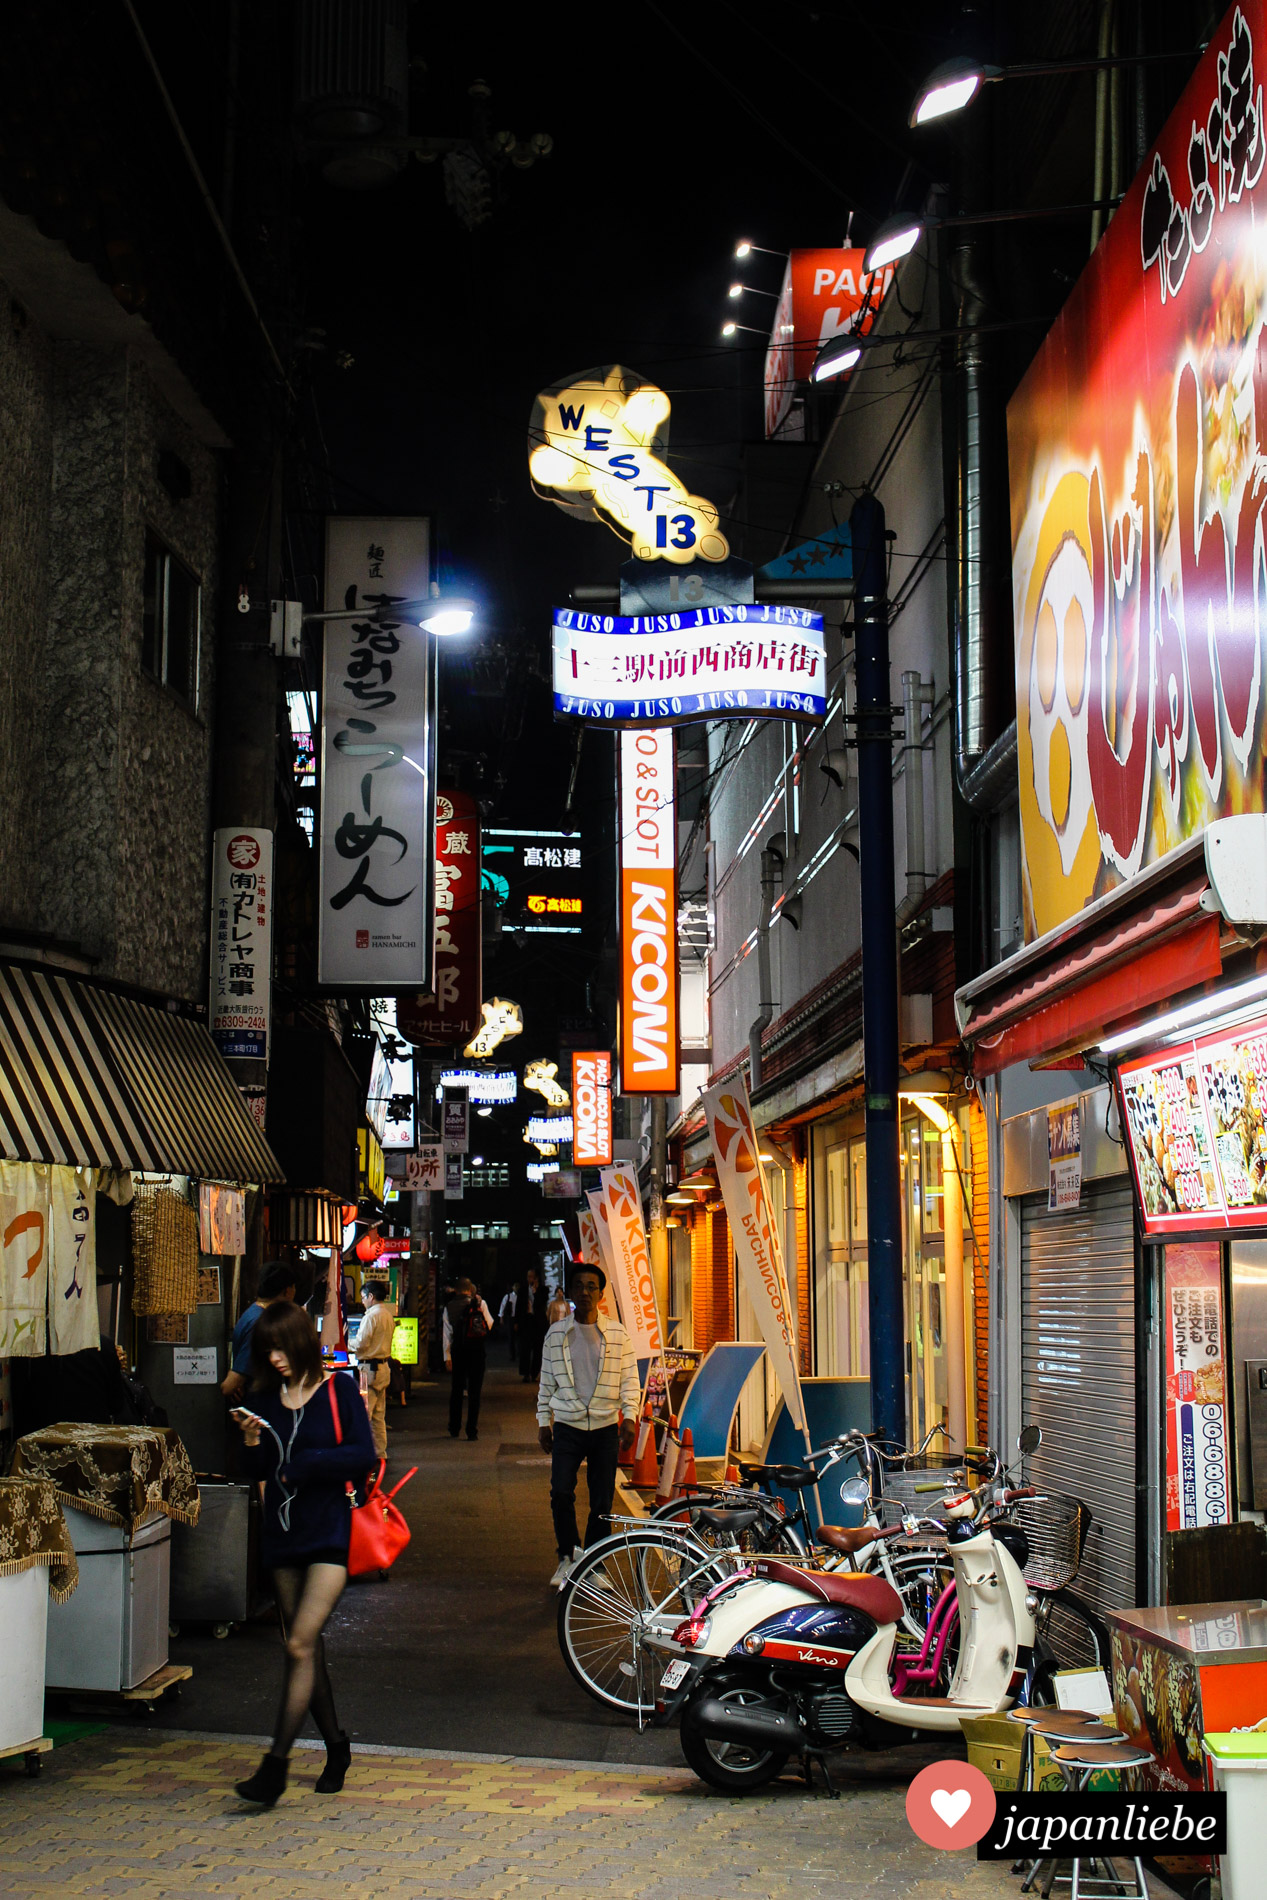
1142,944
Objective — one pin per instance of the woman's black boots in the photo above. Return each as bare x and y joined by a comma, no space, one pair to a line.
267,1783
338,1761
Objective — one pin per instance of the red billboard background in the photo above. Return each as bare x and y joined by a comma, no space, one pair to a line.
454,1015
823,291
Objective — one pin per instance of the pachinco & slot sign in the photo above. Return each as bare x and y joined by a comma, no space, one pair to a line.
1138,454
746,661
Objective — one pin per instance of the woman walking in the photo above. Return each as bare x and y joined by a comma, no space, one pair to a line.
293,1445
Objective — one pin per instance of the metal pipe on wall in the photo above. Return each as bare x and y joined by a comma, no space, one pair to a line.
916,694
771,866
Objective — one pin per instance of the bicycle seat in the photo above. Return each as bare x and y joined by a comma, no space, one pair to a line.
854,1590
789,1477
737,1519
848,1538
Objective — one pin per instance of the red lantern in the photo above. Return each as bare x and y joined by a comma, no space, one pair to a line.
369,1247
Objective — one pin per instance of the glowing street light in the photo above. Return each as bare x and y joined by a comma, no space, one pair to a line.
836,357
447,616
746,247
949,88
895,239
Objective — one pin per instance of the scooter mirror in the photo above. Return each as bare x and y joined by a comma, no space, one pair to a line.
1029,1441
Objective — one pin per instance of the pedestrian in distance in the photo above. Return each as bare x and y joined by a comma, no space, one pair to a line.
560,1307
467,1325
373,1355
288,1429
589,1378
277,1282
506,1316
530,1312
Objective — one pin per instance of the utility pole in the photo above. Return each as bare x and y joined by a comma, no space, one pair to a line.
879,967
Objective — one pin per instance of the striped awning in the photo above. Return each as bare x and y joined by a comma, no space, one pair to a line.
94,1078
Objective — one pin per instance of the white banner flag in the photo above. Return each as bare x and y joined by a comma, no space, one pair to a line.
24,1253
755,1232
72,1274
602,1254
631,1259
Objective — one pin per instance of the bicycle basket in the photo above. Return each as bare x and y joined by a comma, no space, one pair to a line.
1055,1528
904,1481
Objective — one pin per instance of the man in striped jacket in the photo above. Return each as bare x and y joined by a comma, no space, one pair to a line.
589,1376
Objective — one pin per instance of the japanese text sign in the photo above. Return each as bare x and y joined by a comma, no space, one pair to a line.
377,828
648,914
1196,1124
241,940
591,1108
730,662
824,293
453,1177
425,1168
455,1121
1197,1463
1137,447
1064,1157
457,977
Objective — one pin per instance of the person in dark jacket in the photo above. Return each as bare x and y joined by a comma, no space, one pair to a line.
530,1316
288,1428
464,1336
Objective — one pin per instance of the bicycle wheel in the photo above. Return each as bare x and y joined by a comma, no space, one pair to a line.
645,1579
1068,1635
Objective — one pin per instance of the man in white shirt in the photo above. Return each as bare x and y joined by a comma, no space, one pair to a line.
589,1380
373,1352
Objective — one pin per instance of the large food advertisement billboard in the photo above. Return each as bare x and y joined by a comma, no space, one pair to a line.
1137,447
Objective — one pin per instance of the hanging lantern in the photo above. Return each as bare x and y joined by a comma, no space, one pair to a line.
369,1247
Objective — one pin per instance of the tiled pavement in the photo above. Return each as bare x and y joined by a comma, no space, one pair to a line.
152,1816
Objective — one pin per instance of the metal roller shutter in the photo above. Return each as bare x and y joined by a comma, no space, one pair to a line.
1078,1372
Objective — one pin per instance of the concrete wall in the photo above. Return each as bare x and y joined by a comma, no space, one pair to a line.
104,774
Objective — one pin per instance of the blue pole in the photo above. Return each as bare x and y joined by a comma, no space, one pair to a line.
879,967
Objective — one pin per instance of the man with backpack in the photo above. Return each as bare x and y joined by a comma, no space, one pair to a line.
467,1325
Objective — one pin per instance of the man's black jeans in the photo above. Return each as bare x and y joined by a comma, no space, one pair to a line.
597,1451
468,1372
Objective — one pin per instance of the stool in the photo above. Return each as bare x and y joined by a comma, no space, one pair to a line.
1065,1723
1085,1732
1078,1762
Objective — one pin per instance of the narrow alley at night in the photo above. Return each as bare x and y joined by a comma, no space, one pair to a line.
633,951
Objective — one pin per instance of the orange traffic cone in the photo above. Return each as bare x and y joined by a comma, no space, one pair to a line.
684,1478
646,1470
732,1474
668,1464
625,1456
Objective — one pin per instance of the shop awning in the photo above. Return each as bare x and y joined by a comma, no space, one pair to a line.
93,1078
1144,942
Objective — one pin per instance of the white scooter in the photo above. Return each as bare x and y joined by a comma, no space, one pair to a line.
786,1659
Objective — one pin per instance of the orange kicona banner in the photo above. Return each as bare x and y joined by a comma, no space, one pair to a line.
591,1108
755,1232
648,913
1137,451
631,1260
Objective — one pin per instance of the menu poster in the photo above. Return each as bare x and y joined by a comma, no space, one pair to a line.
1196,1120
1197,1466
1064,1158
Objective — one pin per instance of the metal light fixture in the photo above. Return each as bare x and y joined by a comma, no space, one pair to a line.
949,88
895,239
1192,1019
679,1199
447,615
729,329
836,357
745,248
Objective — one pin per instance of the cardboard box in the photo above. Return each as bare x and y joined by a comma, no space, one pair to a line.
994,1746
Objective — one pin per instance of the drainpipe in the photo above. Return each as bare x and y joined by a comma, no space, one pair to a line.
771,867
916,694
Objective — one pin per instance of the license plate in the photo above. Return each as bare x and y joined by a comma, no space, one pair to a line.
675,1675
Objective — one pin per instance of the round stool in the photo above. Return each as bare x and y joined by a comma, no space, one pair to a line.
1078,1762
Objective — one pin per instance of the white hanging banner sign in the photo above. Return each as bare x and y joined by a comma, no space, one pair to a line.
728,662
377,832
72,1273
603,1254
755,1232
24,1257
631,1259
241,941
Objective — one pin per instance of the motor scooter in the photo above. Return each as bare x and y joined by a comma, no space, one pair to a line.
785,1659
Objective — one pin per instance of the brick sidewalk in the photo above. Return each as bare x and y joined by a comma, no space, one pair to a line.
153,1817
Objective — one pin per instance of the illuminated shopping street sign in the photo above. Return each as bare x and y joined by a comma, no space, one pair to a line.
730,662
594,446
540,1078
501,1019
487,1088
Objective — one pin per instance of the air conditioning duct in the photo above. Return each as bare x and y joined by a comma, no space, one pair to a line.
352,88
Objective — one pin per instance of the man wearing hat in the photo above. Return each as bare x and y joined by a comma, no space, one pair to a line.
589,1377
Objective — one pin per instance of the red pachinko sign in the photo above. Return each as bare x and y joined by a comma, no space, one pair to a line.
825,293
1196,1122
1137,445
649,1046
454,1015
591,1108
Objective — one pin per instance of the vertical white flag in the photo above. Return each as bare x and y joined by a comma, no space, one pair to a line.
755,1232
72,1279
24,1255
631,1258
594,1234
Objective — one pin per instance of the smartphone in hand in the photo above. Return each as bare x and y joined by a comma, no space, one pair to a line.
244,1417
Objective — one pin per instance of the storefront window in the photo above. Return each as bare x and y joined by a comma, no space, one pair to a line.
681,1321
1248,1370
840,1253
923,1211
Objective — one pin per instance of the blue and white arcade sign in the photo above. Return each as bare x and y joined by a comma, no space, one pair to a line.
727,662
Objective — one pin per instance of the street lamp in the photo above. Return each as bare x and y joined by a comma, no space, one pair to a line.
729,329
836,357
956,82
897,237
737,290
447,615
745,248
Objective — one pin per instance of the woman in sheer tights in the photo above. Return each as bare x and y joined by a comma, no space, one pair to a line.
306,1462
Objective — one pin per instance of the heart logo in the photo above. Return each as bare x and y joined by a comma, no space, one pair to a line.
950,1806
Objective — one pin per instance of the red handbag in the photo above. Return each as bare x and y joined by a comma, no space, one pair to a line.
379,1531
